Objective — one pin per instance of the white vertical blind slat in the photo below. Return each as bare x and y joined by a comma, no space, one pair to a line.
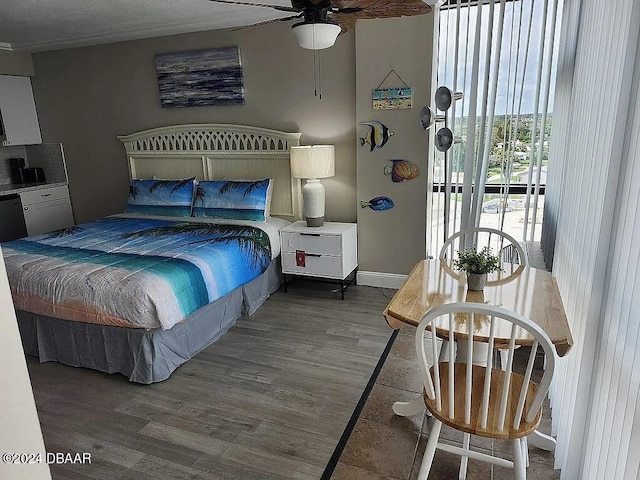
465,216
483,162
545,107
536,111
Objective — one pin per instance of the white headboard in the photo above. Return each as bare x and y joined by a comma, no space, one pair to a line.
216,152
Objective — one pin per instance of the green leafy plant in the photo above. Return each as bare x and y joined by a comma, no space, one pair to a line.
472,261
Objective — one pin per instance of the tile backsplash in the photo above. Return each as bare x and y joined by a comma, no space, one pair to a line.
48,156
5,154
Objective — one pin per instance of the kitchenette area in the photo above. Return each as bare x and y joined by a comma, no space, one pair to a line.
34,193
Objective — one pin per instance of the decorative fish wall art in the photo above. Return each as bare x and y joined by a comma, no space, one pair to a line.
378,203
377,136
401,170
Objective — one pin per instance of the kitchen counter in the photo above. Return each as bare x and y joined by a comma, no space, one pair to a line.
11,188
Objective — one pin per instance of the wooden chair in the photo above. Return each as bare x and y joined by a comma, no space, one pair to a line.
510,250
483,400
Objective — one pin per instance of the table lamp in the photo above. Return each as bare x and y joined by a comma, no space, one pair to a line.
313,162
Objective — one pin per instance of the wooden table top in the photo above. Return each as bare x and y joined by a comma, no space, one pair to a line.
528,291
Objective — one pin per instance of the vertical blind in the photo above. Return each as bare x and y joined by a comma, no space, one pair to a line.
591,225
590,233
500,55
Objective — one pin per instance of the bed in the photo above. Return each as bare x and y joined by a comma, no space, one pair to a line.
140,293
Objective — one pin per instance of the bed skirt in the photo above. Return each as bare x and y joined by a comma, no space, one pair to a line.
144,356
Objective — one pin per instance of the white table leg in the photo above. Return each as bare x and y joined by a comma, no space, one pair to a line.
408,409
542,441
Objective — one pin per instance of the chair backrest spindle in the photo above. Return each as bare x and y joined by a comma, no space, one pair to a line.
484,413
469,386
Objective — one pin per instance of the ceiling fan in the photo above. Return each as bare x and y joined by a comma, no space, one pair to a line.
323,20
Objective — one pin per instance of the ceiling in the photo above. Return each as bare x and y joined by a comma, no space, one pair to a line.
39,25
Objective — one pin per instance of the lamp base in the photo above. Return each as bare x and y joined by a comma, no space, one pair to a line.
315,222
313,198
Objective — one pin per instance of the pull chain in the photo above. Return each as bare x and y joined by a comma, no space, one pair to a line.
317,82
319,77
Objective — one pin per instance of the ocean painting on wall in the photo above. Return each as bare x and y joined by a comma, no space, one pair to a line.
200,77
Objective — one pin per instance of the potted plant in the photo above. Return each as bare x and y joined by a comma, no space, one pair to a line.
477,265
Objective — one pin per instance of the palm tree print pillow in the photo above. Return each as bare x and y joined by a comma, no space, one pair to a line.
233,199
171,198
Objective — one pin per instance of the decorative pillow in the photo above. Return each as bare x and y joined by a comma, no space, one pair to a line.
233,199
172,198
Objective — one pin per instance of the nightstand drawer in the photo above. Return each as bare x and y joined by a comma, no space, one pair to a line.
315,266
312,243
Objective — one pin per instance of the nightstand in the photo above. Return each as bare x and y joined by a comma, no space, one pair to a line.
328,252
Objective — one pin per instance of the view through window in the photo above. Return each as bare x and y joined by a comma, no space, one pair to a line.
501,56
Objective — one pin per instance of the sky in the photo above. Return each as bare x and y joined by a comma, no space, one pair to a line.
519,18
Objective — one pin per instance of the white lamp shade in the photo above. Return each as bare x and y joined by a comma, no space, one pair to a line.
316,36
312,161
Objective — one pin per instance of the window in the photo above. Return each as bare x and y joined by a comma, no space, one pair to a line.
501,57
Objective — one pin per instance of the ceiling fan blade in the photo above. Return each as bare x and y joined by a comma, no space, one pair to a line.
265,22
252,4
346,10
375,9
385,8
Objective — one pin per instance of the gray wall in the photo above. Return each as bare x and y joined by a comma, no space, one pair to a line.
87,96
394,240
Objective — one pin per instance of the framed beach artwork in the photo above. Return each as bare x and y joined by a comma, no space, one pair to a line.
200,77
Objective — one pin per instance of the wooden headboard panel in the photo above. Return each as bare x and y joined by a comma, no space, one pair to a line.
216,152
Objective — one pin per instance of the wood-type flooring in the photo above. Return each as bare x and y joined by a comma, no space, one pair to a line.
269,400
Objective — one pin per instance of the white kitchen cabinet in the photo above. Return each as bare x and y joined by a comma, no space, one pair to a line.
18,112
46,209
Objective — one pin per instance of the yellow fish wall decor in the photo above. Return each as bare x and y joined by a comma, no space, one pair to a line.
401,170
377,136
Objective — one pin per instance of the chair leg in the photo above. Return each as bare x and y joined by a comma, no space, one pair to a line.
430,450
519,467
462,474
504,358
444,351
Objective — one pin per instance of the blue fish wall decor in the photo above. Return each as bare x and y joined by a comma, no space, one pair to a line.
378,203
377,136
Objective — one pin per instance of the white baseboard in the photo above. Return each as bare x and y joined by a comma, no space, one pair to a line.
382,280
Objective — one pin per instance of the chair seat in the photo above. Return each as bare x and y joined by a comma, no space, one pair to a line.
474,427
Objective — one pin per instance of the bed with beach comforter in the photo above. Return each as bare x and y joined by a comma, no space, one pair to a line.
135,272
140,293
148,275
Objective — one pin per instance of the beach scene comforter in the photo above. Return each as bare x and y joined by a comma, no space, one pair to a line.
136,272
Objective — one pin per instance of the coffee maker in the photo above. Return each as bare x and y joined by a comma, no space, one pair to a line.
17,170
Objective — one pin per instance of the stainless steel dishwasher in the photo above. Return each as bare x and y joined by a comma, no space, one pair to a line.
12,224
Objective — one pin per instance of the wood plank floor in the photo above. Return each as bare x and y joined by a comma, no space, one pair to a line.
269,400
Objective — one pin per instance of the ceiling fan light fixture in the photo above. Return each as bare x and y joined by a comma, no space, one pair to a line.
316,35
